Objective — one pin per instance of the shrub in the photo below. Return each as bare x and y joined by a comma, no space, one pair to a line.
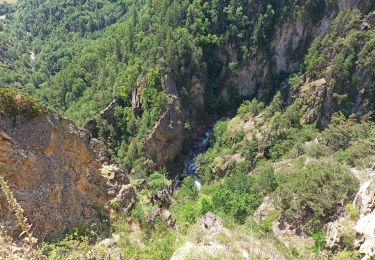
81,232
352,211
348,241
319,241
139,213
156,244
316,150
188,213
312,194
342,131
14,104
250,108
67,248
359,153
265,182
249,149
206,205
266,225
241,194
348,255
158,181
221,136
188,190
292,137
234,204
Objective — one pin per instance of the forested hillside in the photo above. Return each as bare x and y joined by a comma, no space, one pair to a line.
79,68
286,86
42,37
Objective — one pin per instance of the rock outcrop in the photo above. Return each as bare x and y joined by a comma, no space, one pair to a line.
209,239
338,233
263,210
164,215
316,96
166,138
211,222
334,234
365,227
288,45
108,113
55,174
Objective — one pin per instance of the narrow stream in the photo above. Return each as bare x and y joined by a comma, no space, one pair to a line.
201,147
190,168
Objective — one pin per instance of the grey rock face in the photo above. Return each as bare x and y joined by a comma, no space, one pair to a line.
211,222
166,138
365,227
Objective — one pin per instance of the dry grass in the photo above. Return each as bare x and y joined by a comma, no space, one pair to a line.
235,124
10,250
235,243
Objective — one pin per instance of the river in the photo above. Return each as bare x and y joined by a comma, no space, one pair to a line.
191,164
200,147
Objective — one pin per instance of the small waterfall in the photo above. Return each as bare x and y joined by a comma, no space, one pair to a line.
32,56
191,166
202,146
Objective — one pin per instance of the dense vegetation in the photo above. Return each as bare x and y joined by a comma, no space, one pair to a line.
14,104
345,58
77,56
54,32
81,62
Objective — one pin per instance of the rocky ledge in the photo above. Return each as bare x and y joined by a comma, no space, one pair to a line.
59,175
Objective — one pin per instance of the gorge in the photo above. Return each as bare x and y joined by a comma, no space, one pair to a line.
155,173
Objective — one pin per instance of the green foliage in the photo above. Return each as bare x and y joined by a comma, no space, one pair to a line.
6,8
89,52
348,241
81,232
73,244
237,205
249,149
319,241
159,243
188,190
290,138
241,194
206,204
311,195
140,212
338,56
66,249
352,211
188,213
55,31
275,106
343,131
349,255
266,225
158,181
317,150
359,154
14,104
250,108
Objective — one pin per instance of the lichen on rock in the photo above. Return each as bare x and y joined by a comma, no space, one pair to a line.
55,174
